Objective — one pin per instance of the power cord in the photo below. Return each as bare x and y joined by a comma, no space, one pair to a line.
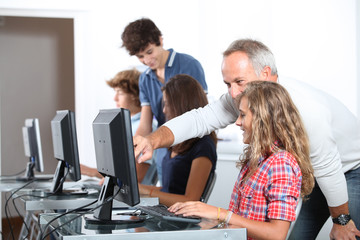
22,218
6,207
61,215
16,209
14,175
72,219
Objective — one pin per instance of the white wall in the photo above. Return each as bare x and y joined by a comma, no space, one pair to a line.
358,54
314,41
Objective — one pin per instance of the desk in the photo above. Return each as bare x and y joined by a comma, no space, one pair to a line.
149,229
9,184
33,200
36,200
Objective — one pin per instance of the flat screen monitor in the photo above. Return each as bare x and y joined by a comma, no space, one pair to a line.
63,131
32,147
115,160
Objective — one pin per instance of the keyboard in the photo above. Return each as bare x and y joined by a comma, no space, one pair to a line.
160,211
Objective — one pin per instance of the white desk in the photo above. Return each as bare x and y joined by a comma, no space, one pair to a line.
148,230
8,184
34,200
38,201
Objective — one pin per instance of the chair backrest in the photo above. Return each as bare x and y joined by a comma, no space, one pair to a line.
208,187
297,211
151,176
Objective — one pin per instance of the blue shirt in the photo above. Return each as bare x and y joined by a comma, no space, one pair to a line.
135,121
176,170
150,86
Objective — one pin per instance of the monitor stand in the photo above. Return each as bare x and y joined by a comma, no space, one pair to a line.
103,215
58,180
29,174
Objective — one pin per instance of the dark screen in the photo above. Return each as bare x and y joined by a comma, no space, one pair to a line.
115,152
63,129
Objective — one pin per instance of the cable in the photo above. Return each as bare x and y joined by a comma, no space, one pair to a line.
61,215
79,208
6,204
26,195
62,180
22,218
6,207
8,219
13,175
32,160
80,214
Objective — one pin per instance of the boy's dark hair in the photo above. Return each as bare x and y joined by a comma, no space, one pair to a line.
139,34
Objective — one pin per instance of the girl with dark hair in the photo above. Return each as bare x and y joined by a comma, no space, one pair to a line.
186,166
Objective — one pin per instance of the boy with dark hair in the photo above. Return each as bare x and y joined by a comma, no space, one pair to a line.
143,39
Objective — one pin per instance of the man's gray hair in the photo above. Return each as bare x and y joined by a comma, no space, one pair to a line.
259,54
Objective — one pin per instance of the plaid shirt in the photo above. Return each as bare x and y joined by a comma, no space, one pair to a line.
271,192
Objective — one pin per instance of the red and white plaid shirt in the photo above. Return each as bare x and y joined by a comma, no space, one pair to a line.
271,192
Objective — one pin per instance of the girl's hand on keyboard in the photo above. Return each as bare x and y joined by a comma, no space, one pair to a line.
198,209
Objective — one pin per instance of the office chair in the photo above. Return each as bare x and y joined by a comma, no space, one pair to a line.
208,187
297,211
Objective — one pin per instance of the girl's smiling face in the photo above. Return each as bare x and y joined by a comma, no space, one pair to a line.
244,120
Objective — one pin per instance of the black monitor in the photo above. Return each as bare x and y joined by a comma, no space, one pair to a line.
63,129
116,162
32,147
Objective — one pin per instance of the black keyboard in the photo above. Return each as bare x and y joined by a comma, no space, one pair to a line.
160,211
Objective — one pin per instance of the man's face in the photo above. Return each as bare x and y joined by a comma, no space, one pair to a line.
237,71
151,56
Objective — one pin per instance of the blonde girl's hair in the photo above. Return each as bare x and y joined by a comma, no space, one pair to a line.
276,118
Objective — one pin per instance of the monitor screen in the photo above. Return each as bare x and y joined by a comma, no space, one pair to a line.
63,130
115,159
32,147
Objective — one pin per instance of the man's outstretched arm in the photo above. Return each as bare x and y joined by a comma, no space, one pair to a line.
162,137
194,123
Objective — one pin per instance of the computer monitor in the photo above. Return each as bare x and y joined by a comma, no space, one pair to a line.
63,130
115,160
32,147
